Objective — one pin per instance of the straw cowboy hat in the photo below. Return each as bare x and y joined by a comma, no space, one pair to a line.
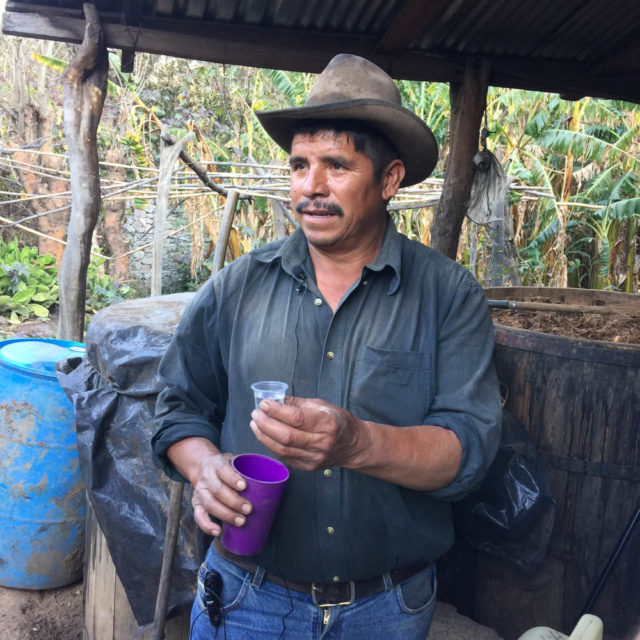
352,88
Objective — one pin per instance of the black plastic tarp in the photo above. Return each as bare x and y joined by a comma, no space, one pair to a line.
113,390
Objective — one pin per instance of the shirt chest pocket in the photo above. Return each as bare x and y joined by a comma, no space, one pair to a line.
392,387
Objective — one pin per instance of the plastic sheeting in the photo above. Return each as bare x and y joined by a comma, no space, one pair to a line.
113,390
488,197
512,514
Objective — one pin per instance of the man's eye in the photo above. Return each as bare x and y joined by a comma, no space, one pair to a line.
337,165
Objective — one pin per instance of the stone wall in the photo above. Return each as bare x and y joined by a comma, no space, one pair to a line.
138,229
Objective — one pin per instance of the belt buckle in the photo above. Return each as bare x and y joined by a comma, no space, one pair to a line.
323,605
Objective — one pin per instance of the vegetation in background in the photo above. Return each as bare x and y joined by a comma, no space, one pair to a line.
29,283
102,290
584,155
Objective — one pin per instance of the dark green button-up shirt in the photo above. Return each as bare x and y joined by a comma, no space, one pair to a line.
410,343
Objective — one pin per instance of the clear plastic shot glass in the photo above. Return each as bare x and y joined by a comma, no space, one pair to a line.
269,390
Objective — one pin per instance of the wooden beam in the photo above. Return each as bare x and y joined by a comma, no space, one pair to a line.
225,43
84,85
625,58
131,14
195,9
468,102
164,7
409,23
280,48
168,155
127,60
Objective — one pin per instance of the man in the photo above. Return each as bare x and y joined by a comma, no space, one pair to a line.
387,349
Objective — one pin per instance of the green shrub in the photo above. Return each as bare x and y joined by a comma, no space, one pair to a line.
102,290
28,282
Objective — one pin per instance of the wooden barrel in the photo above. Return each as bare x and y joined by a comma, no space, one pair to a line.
580,400
107,612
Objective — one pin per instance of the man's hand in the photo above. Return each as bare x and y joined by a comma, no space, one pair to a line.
310,434
313,434
216,485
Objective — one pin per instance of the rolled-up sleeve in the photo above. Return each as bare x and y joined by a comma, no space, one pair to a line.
467,396
193,401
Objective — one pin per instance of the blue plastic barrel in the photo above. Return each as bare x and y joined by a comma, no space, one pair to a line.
42,502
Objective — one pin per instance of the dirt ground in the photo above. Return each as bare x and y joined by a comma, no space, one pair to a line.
34,328
56,614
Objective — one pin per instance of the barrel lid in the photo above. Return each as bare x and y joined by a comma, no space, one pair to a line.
38,355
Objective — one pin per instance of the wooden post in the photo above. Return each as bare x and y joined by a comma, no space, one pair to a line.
84,90
225,230
468,101
168,155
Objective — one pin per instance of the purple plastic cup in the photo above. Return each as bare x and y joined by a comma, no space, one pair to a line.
265,478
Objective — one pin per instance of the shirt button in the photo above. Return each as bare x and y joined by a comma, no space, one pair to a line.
318,302
365,282
327,473
330,530
331,355
336,578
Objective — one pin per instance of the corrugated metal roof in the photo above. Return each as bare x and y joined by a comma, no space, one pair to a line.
582,47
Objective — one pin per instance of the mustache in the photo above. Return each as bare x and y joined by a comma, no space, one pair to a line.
329,207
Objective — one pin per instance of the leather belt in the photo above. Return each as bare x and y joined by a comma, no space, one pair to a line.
324,594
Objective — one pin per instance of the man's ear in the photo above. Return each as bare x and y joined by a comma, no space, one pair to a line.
391,178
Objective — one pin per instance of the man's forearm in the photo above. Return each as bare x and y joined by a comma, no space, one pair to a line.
423,457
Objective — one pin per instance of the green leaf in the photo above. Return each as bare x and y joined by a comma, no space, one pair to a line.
23,296
13,318
536,125
625,209
52,63
40,296
38,310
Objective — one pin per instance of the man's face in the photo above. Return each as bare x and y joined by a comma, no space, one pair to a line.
334,196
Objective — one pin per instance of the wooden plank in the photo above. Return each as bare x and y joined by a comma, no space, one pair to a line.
132,12
168,156
124,622
254,46
409,23
107,612
255,10
195,9
225,229
468,101
570,402
512,602
90,561
624,58
99,596
164,7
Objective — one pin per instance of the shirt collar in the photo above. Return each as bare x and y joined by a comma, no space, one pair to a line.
294,252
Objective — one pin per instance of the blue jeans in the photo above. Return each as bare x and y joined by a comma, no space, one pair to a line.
255,609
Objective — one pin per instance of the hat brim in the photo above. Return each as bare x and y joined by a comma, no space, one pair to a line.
411,137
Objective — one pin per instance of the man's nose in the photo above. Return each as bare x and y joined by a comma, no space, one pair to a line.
315,183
